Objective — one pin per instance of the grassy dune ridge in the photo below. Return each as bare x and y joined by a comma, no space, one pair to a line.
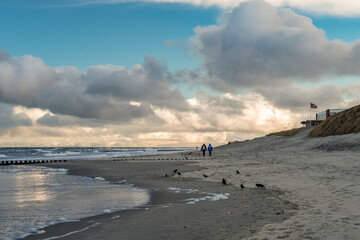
345,122
286,133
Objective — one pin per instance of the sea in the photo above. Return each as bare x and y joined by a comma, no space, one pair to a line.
33,196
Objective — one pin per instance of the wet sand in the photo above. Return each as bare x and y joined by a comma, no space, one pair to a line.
168,215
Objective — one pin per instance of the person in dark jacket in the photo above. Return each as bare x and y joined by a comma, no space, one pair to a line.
210,148
203,149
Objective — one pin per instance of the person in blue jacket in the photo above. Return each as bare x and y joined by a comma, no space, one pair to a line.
210,148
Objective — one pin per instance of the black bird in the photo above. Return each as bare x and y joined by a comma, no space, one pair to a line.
175,171
259,185
186,158
224,181
242,186
205,175
179,173
166,175
237,171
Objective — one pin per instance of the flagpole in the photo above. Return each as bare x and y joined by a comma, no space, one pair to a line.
312,106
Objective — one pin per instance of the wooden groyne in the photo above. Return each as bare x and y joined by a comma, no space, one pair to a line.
21,162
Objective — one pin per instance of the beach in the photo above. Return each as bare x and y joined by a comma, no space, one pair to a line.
311,192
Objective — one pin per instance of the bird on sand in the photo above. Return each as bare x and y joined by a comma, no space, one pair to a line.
259,185
237,171
186,158
166,175
205,175
175,171
179,173
242,186
224,181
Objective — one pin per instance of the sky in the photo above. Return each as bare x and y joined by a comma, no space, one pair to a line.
127,73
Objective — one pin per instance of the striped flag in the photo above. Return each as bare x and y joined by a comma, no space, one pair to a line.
312,105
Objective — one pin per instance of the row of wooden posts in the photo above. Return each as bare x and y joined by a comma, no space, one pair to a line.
19,162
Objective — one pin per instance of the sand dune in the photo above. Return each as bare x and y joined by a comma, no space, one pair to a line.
320,175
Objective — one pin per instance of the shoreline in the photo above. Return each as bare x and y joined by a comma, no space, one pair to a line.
168,215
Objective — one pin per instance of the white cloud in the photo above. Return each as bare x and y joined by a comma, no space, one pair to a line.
23,78
211,119
331,7
102,92
215,118
12,119
257,45
250,113
324,7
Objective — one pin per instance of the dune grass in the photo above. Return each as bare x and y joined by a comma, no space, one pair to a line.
286,133
344,122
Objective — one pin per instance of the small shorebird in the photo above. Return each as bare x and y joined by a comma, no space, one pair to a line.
179,173
242,186
237,171
224,181
175,171
259,185
205,175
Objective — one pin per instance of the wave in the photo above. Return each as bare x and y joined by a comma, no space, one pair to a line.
60,153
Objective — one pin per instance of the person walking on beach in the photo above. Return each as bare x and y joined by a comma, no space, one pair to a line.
203,149
210,148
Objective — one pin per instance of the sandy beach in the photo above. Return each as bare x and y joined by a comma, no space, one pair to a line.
311,192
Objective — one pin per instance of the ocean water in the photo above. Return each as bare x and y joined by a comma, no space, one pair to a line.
32,197
57,153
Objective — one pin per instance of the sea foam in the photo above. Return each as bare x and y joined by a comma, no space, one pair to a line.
209,197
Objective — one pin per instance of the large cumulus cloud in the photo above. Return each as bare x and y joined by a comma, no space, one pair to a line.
259,45
102,92
23,79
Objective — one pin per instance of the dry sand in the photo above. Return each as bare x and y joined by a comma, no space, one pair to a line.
320,175
312,192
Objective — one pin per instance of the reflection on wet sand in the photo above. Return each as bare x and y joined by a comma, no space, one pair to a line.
33,188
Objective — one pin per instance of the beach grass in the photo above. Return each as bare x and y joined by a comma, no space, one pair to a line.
286,133
345,122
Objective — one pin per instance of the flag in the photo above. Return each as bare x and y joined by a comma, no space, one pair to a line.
312,105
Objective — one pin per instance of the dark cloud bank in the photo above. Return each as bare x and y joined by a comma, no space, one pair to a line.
102,92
